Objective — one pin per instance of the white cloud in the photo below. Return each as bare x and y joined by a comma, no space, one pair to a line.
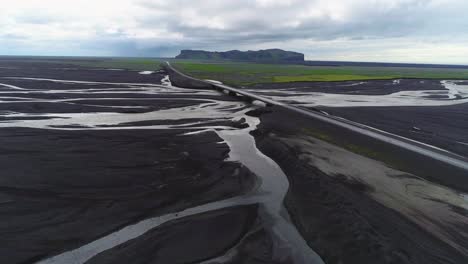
323,29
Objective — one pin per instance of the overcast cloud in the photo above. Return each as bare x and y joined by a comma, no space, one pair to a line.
428,31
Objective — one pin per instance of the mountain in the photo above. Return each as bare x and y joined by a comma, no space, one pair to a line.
269,55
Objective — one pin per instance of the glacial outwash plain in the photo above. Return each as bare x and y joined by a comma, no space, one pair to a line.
220,160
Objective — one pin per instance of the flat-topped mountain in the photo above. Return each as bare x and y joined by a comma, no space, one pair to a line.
268,55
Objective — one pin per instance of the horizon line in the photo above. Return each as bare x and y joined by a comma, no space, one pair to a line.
306,60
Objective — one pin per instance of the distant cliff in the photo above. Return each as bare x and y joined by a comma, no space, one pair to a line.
269,55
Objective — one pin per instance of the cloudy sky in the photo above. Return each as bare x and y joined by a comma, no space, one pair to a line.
427,31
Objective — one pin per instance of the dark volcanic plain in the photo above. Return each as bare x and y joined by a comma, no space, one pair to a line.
66,183
423,110
115,166
353,209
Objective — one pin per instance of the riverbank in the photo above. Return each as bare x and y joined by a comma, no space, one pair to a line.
352,209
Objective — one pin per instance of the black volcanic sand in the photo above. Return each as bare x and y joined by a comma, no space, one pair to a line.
185,240
51,85
372,87
35,69
83,106
337,217
442,126
61,189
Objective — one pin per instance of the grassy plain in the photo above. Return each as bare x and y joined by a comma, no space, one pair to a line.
244,74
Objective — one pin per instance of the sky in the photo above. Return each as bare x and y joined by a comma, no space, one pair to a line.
419,31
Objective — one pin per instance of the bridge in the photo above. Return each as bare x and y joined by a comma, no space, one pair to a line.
429,151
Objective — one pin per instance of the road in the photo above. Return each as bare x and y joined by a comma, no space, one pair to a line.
399,141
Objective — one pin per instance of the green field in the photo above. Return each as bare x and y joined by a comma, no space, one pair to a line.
244,74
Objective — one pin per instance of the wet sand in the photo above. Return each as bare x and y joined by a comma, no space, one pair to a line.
192,235
65,187
429,111
95,166
355,209
62,188
115,166
71,187
442,126
377,87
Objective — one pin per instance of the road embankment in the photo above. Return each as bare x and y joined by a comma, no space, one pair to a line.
181,80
